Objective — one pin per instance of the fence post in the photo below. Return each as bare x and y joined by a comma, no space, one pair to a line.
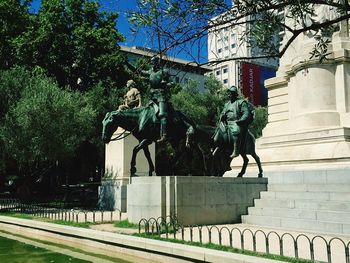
329,255
312,251
296,253
281,247
267,245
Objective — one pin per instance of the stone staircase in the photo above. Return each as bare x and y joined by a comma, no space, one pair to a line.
317,201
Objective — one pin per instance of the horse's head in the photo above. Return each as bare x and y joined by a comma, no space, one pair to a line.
109,125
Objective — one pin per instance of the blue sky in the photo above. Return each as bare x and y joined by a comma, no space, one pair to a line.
122,7
119,6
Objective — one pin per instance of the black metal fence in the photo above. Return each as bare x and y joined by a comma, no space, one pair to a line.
301,246
71,215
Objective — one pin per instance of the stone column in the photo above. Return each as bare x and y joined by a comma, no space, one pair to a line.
112,193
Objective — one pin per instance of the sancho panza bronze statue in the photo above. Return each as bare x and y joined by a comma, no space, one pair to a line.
160,83
237,116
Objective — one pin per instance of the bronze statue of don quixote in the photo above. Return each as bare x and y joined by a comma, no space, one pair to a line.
158,122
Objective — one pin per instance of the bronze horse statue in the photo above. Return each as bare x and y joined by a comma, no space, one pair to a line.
144,125
218,139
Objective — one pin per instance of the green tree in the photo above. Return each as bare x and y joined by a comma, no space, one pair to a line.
260,121
204,106
46,124
14,17
12,83
75,43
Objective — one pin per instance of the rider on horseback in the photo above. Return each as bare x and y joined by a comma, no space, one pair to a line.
160,84
236,115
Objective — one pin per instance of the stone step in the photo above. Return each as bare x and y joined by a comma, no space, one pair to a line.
298,224
304,204
320,196
325,216
341,176
268,202
343,205
343,188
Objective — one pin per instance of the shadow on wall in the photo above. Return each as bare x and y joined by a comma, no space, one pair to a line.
107,192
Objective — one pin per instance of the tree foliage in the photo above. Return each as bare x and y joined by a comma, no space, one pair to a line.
14,18
46,123
72,40
185,24
259,122
61,69
203,107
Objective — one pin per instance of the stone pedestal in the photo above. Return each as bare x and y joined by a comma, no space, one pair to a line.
112,193
309,110
193,199
305,147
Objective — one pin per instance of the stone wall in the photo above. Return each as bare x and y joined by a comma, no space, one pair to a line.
193,199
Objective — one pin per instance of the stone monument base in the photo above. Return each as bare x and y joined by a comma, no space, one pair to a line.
307,150
112,195
193,199
112,192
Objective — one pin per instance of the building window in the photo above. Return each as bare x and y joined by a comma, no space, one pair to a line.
233,41
225,70
225,81
218,72
219,50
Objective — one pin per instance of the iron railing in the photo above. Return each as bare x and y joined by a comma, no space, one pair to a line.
72,215
300,246
303,246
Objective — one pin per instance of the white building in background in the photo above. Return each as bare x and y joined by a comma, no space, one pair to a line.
181,70
226,42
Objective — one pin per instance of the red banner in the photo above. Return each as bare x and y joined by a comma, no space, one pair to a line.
250,82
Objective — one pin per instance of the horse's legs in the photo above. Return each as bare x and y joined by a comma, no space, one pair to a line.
245,164
149,160
257,160
137,148
189,159
202,153
219,162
